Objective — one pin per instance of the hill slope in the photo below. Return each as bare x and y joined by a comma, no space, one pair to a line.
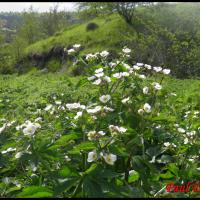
165,35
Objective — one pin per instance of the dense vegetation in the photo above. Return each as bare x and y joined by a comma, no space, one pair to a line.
92,107
160,34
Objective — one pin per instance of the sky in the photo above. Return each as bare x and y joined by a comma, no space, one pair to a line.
37,6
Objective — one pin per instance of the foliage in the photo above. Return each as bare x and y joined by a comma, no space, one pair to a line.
120,131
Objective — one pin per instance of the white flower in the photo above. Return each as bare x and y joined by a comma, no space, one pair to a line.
136,67
2,128
71,51
147,66
140,111
99,70
117,75
91,78
107,79
92,156
147,108
104,54
157,69
110,158
125,74
145,90
125,100
10,149
126,66
120,74
139,64
105,98
67,158
126,50
94,110
30,129
91,135
79,114
98,75
166,71
18,155
142,76
76,46
116,129
186,141
181,130
48,107
157,86
97,82
173,94
112,64
101,133
191,133
108,109
90,56
166,144
71,106
38,119
58,102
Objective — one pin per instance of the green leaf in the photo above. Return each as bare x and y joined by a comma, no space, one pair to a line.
66,138
167,175
134,176
86,146
67,171
35,192
173,168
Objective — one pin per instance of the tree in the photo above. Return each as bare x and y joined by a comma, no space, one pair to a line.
124,9
53,20
30,29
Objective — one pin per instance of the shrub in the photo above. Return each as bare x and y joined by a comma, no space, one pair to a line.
91,26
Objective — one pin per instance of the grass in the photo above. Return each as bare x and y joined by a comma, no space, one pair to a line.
93,41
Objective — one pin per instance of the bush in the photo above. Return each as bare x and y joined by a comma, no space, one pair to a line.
91,26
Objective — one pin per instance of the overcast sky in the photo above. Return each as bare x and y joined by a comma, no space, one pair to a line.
37,6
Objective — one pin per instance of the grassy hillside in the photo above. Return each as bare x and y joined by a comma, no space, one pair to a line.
110,34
